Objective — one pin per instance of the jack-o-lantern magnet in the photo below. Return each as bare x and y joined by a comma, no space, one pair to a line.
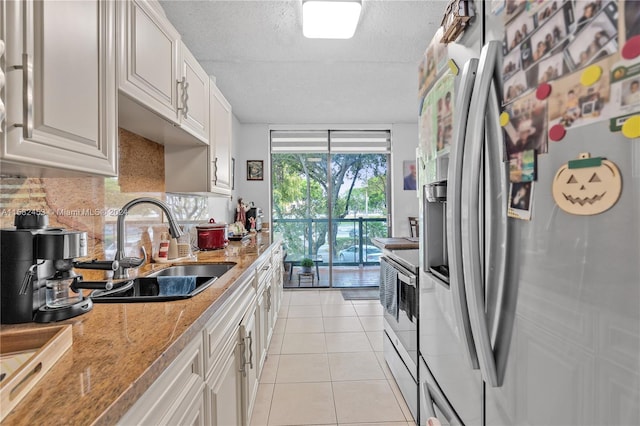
587,186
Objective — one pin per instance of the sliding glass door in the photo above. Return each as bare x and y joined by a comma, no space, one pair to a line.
329,198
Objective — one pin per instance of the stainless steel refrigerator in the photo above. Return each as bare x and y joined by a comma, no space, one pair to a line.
526,322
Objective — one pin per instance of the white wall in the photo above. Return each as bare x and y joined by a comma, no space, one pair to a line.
252,143
404,141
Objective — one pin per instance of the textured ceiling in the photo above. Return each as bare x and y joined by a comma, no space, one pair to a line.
270,73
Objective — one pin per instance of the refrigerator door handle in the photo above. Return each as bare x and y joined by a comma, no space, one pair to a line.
472,249
498,202
454,210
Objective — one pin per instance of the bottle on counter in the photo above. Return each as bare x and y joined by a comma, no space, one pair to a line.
163,248
173,249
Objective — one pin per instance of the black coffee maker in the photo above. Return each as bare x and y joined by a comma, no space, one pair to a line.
37,281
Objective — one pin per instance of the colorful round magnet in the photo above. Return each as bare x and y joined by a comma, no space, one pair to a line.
543,91
557,132
504,118
591,75
631,48
631,127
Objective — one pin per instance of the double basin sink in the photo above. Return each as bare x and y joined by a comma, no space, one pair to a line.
172,283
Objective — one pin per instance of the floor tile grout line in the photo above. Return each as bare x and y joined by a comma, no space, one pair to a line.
333,395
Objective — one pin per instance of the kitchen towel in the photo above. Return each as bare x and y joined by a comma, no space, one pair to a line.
388,288
408,302
175,286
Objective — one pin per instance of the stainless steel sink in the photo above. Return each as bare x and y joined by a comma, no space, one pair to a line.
149,289
199,270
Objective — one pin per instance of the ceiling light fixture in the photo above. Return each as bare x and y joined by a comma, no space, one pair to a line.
330,18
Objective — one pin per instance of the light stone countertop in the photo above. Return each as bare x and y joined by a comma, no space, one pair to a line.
120,349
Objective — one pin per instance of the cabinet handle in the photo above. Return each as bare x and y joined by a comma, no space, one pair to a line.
269,299
215,171
27,96
243,358
250,350
184,84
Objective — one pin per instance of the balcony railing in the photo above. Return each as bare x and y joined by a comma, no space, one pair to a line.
351,239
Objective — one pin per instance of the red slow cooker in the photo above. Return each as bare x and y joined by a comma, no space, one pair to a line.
212,235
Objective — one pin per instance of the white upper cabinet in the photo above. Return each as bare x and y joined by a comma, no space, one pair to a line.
200,168
220,142
193,98
148,57
61,92
164,88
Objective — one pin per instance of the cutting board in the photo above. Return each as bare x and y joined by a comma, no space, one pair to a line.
25,356
397,243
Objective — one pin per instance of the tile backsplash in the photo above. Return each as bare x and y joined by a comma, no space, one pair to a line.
91,204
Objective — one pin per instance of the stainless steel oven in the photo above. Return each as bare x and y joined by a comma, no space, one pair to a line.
399,297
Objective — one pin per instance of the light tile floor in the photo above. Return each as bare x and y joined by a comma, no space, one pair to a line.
325,366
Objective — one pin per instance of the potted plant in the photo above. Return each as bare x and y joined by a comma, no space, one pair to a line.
306,265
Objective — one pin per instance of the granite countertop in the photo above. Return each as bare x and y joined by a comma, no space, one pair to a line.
120,349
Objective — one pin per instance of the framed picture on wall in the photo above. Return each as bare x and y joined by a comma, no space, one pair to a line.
409,172
255,170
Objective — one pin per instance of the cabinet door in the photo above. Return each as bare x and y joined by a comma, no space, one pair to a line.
262,324
148,57
276,283
191,412
220,142
193,96
61,88
176,394
225,388
268,295
248,361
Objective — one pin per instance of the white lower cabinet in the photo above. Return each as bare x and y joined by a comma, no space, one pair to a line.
261,336
248,361
270,320
265,322
214,381
224,388
276,283
225,358
191,411
177,396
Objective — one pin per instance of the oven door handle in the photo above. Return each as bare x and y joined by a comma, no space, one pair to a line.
410,280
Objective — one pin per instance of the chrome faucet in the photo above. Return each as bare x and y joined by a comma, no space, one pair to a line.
124,262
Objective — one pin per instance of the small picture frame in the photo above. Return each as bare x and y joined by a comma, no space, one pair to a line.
255,170
409,173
